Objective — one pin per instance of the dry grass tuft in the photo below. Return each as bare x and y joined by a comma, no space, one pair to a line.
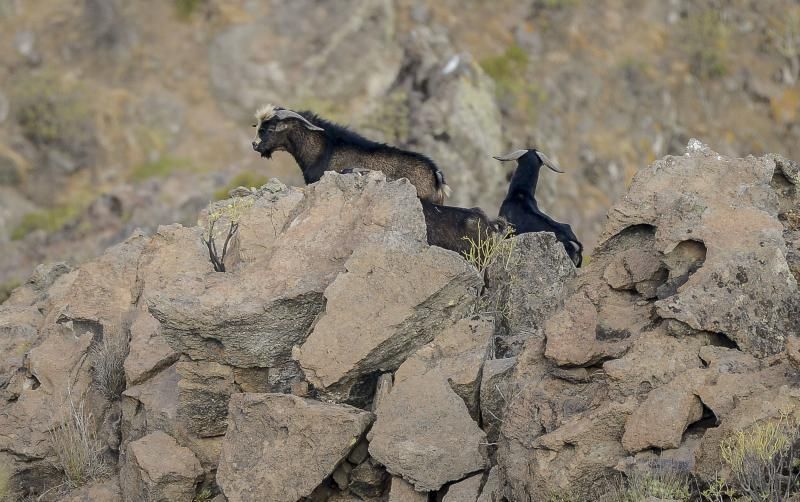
107,359
5,483
78,452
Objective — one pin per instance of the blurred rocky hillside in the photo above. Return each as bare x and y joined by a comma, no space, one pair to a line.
116,115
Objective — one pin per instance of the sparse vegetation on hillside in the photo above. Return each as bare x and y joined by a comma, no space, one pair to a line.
50,220
160,168
6,288
706,41
515,91
647,484
54,113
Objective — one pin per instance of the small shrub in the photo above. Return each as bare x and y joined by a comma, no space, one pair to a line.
204,495
243,179
52,113
232,213
50,220
488,247
107,359
764,459
78,452
706,40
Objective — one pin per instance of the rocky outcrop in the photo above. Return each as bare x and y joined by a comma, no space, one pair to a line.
667,341
341,358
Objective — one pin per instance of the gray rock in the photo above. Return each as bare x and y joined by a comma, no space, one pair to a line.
203,394
280,447
525,285
467,490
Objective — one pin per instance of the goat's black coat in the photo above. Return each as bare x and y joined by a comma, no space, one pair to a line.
447,226
337,148
521,210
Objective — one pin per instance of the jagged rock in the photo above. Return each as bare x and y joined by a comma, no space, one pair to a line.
287,251
280,447
359,453
359,37
495,393
662,281
423,431
152,405
467,490
525,286
402,491
728,206
149,353
155,467
492,491
204,390
368,480
253,379
662,419
427,288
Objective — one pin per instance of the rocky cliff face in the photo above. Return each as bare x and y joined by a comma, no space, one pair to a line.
119,115
340,357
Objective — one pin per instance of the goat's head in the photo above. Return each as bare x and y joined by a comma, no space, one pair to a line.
273,126
533,157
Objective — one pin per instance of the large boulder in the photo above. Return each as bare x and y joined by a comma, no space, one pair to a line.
667,339
280,447
424,431
396,295
290,246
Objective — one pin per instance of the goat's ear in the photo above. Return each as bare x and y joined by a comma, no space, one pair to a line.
511,156
549,163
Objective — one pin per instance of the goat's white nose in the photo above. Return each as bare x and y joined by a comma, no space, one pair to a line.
255,145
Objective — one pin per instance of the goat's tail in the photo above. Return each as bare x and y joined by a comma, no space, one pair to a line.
442,188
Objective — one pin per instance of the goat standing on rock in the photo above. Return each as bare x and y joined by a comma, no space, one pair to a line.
318,146
448,227
521,210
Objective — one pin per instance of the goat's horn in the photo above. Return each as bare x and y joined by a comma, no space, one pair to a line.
512,156
549,163
289,114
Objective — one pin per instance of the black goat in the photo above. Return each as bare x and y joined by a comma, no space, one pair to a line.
521,210
318,146
447,226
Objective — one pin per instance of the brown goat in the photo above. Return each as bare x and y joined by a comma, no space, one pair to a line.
318,145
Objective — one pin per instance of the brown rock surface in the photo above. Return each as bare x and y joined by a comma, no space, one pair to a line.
156,467
280,447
